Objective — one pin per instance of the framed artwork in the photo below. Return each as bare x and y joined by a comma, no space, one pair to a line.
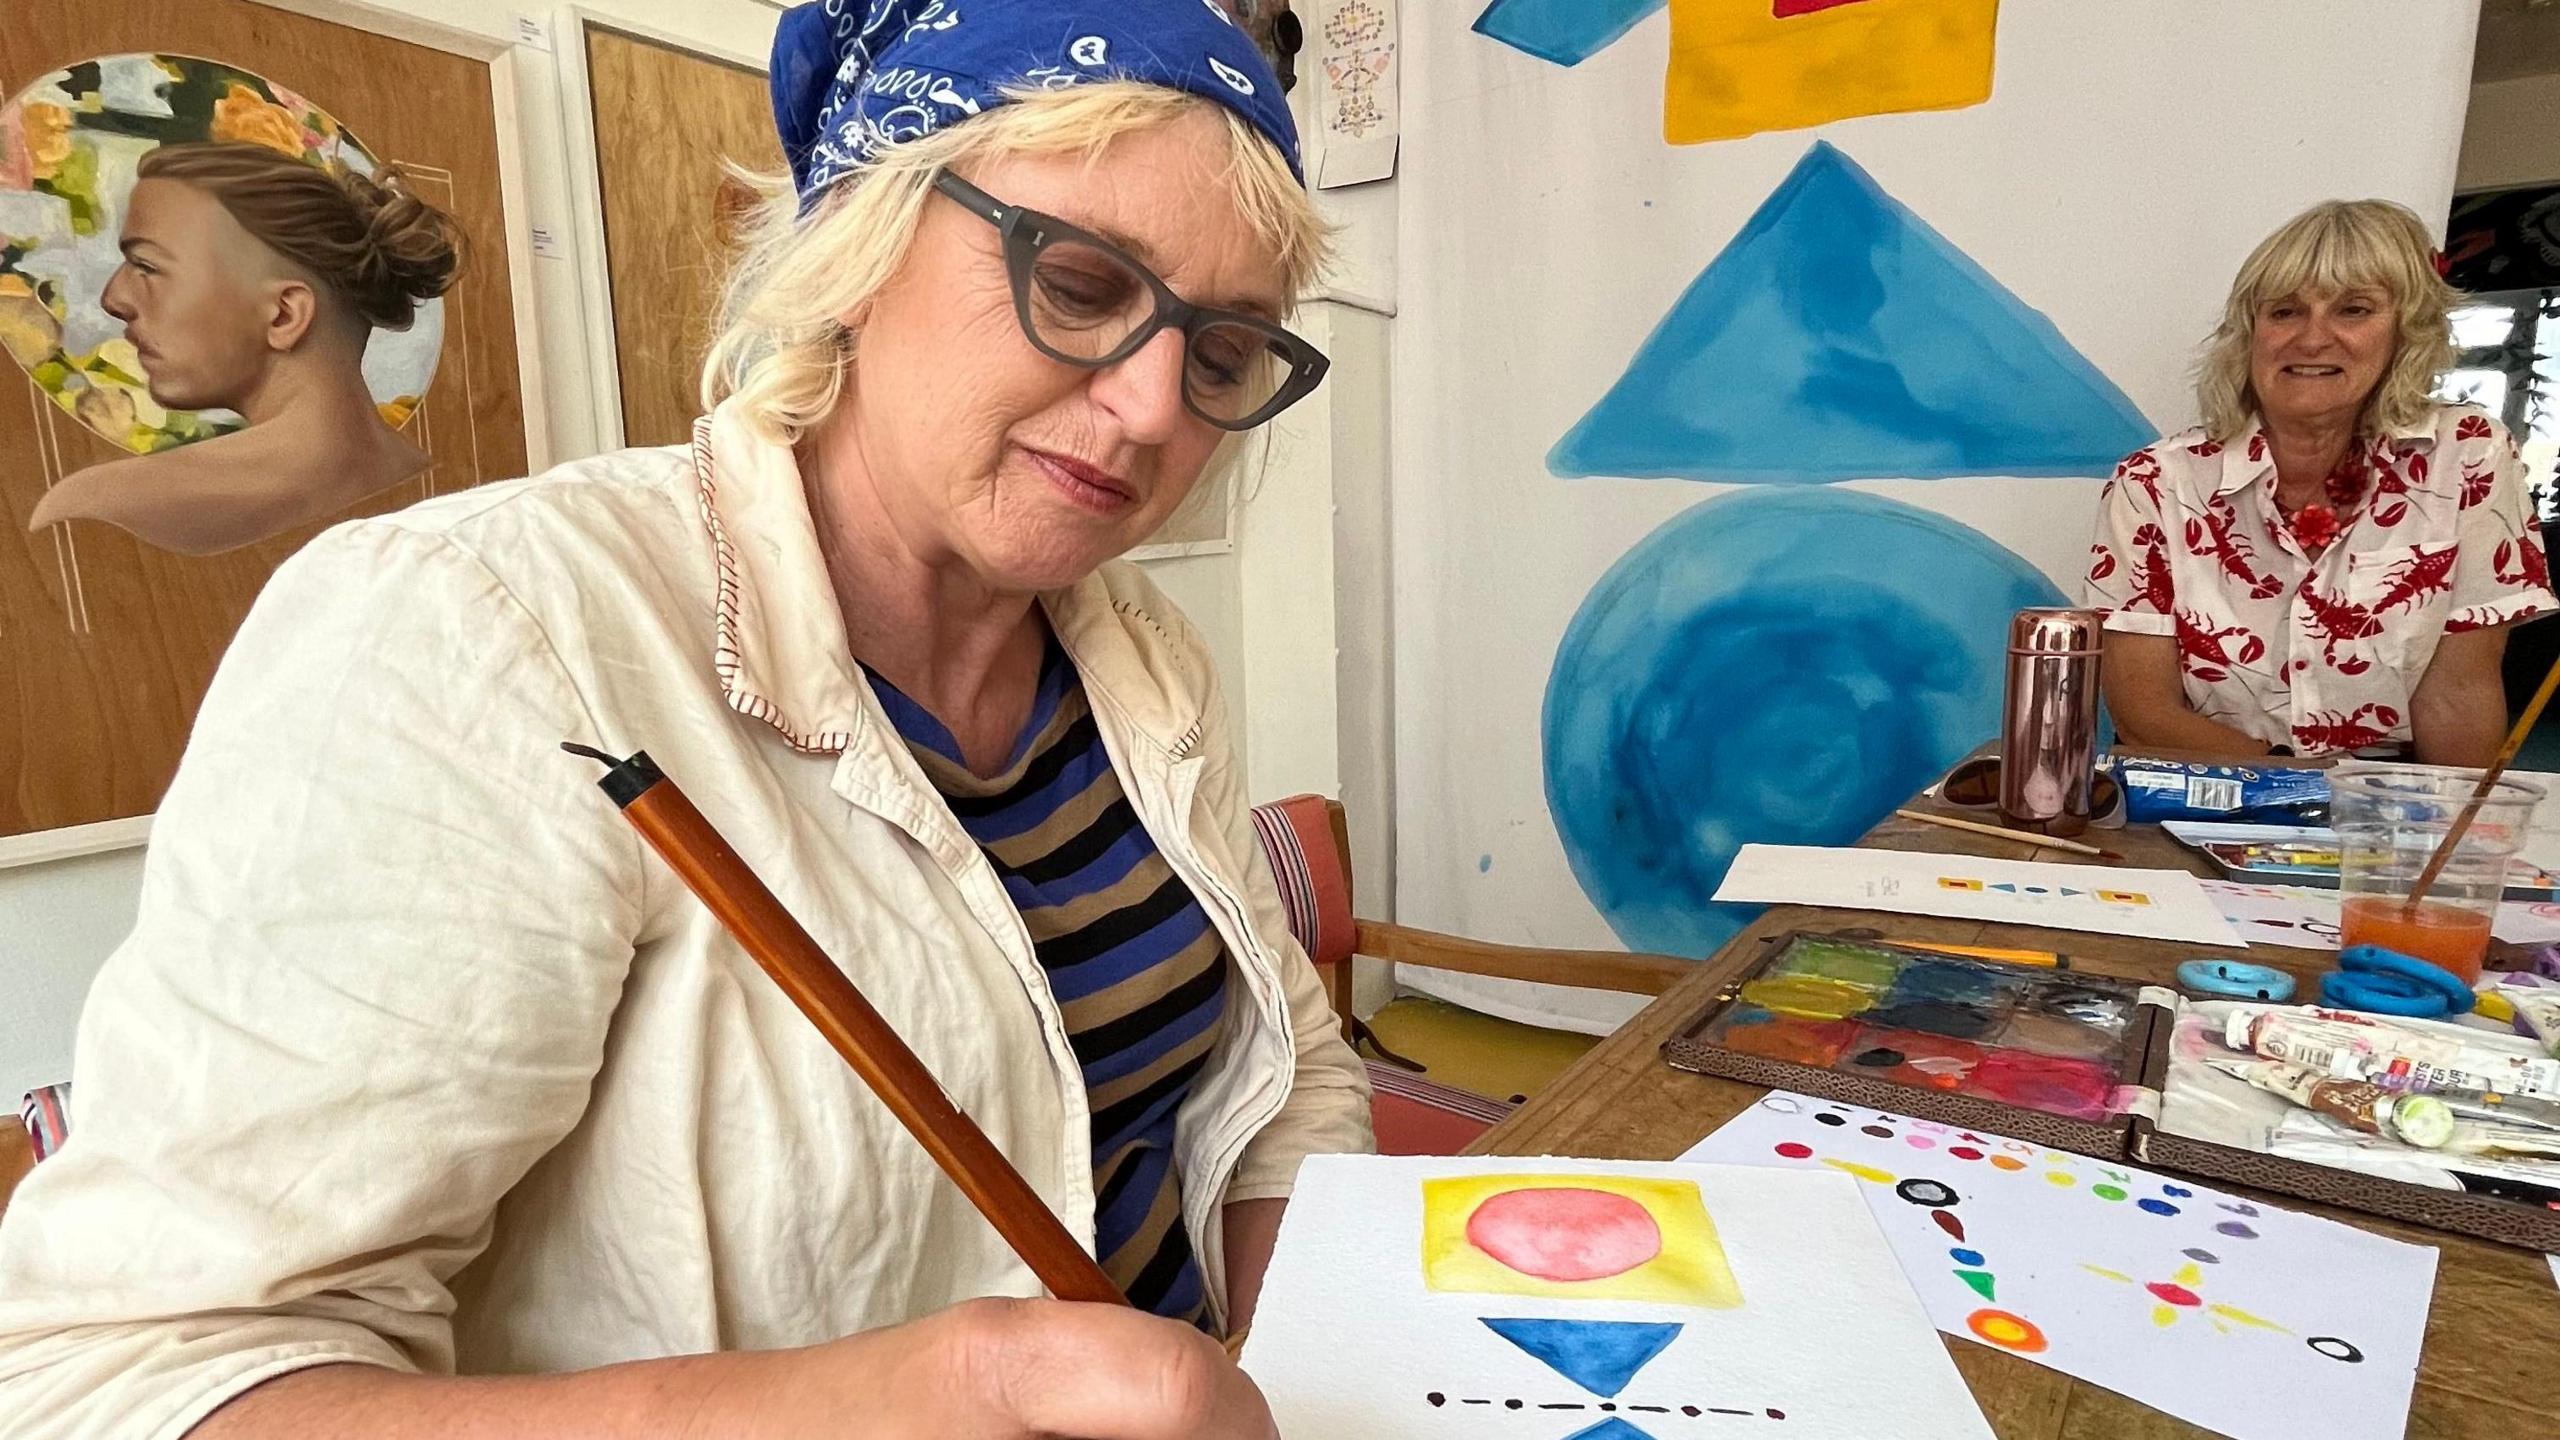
145,155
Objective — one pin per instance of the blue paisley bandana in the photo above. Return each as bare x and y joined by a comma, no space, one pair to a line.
853,77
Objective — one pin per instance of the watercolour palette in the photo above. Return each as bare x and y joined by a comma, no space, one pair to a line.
1833,1013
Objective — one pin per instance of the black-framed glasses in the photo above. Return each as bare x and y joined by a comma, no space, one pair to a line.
1085,301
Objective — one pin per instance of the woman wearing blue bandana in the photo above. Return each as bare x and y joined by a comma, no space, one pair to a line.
423,1101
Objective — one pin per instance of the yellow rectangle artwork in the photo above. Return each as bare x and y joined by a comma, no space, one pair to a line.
1741,67
1575,1237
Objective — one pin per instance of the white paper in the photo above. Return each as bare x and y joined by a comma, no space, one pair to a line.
1349,1341
2154,904
2306,917
2555,1268
2270,1324
1357,120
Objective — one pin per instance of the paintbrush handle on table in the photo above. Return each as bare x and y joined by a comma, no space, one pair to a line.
749,911
2000,832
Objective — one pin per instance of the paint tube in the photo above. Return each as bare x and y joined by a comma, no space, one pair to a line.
2348,1046
2157,790
2540,1012
2489,1107
2357,1104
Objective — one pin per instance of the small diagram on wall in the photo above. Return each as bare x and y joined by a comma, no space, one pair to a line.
1742,67
155,168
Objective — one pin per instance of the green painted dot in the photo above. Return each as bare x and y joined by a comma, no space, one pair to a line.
2106,1192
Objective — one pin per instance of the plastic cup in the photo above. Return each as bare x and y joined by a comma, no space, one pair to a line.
2391,819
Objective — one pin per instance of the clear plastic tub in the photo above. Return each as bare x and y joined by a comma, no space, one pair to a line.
2391,819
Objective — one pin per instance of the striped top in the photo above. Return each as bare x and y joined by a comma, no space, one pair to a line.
1136,970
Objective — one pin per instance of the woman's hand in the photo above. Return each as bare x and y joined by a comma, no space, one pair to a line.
2148,698
985,1370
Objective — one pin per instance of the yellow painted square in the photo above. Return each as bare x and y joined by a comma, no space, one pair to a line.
1737,68
1948,883
1691,1270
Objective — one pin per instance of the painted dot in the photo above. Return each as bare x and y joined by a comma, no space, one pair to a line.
1795,1151
2157,1207
1827,1118
1920,1142
1877,1131
2174,1294
1774,1413
1946,1220
2005,1330
2236,1230
1436,1398
2106,1192
1782,1104
1565,1233
2202,1257
1513,1403
1692,1411
1966,1257
1868,1173
1608,1407
2007,1162
2336,1349
2179,1191
1964,1152
1931,1193
2060,1177
1483,863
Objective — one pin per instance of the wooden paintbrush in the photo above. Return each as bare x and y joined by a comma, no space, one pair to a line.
2488,782
713,871
1998,832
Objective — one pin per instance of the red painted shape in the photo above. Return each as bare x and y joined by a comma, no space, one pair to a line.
1565,1234
1794,1151
1948,1222
2174,1294
1964,1152
1782,9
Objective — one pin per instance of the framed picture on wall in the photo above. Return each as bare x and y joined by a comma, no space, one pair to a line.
149,477
658,130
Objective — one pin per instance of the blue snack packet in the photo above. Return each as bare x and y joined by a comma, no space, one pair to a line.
2156,790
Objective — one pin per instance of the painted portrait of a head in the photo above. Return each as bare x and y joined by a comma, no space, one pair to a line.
231,309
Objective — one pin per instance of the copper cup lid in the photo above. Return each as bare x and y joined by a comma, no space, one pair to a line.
2056,631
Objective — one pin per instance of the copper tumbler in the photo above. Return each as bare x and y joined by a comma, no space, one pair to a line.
2049,720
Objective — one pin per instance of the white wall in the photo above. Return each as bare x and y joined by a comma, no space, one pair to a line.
59,920
2512,135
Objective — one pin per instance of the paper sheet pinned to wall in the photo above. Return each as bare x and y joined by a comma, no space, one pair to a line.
2152,904
1414,1298
2256,1321
1357,118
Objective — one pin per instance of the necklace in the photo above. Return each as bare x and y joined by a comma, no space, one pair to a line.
2317,525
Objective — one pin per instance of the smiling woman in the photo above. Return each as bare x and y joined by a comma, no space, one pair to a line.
2329,562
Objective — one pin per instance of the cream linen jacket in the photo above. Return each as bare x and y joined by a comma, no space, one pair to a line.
416,1058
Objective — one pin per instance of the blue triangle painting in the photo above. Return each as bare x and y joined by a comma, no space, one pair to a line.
1840,338
1612,1428
1601,1356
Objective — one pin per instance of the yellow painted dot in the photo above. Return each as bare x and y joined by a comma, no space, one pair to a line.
1868,1173
2058,1177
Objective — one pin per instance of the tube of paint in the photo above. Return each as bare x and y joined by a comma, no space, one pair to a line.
2357,1104
2492,1108
2347,1046
2540,1012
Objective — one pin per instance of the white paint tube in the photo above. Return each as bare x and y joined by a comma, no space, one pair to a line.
2540,1011
2347,1046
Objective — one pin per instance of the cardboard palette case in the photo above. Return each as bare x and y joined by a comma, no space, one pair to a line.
1991,1045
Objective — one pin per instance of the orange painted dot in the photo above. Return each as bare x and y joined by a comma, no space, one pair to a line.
2008,1162
2005,1330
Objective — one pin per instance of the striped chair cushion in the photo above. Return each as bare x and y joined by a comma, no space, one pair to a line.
1314,875
47,1113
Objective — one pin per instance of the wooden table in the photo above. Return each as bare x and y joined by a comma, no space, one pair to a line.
2491,1366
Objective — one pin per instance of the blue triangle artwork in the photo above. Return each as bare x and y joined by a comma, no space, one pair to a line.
1601,1356
1839,337
1777,665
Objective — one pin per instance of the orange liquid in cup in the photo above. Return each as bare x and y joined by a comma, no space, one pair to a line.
2440,934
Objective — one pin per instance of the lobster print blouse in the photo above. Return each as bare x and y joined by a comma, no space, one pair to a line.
2319,654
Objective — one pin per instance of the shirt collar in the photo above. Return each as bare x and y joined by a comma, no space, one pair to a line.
2247,458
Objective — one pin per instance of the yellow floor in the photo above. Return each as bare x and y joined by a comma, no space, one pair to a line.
1498,1058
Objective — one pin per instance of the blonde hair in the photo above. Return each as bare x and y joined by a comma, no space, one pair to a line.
783,346
373,242
2334,246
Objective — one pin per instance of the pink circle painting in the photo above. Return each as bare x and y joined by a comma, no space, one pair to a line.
1565,1234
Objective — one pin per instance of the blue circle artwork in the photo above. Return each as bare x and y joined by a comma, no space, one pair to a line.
2158,1207
1781,666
